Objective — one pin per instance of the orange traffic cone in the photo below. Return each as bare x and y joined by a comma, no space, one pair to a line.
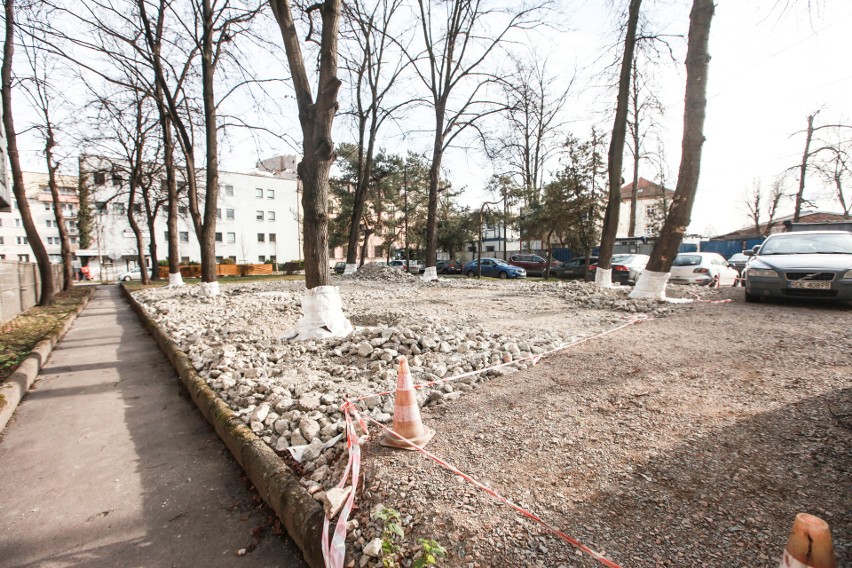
406,414
809,544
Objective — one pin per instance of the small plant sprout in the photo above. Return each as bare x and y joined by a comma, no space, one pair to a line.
431,552
392,534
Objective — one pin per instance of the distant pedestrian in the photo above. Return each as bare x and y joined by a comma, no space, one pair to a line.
85,271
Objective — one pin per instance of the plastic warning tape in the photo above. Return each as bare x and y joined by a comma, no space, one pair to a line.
334,551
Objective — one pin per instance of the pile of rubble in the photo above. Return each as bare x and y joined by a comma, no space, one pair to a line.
381,273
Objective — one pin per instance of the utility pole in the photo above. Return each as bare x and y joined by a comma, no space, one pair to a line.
405,189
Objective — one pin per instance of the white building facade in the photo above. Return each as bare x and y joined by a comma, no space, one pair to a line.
258,221
13,238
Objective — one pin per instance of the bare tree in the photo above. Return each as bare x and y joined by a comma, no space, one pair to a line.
42,95
33,238
603,275
373,72
456,47
810,154
836,171
695,105
759,203
534,129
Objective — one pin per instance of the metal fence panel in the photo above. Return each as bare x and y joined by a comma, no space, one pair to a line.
20,286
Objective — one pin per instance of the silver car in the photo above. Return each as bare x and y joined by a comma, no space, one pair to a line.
807,264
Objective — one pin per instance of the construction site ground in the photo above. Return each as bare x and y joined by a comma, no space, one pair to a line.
688,440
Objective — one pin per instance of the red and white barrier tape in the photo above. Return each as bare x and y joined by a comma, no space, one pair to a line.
334,551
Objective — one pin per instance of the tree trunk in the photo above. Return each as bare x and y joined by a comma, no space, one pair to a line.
697,62
797,213
616,146
43,260
207,238
316,119
634,133
152,248
434,181
134,226
58,216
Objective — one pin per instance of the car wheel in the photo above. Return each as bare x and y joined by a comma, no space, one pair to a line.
751,298
715,282
503,275
471,274
126,279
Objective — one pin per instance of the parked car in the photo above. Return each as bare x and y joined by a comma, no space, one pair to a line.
574,268
449,266
738,262
702,268
806,264
416,267
339,267
626,268
397,264
495,267
134,274
532,263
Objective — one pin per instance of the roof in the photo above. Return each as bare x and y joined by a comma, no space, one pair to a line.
778,225
647,190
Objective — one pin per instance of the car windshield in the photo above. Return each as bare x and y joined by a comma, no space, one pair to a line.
620,258
840,243
687,260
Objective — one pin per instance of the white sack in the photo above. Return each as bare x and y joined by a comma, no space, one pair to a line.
322,315
430,274
175,280
208,289
603,277
350,269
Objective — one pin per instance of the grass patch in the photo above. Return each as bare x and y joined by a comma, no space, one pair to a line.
20,335
135,285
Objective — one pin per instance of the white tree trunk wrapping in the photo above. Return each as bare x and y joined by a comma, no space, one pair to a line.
175,280
208,289
322,314
651,285
430,274
603,277
351,269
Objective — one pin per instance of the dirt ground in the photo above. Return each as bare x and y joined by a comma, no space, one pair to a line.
689,440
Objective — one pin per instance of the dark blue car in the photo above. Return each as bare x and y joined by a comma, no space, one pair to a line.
494,267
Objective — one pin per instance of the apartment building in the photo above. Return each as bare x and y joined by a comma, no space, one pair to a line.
13,238
258,220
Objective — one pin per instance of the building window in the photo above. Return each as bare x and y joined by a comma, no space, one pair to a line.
47,206
258,193
378,251
229,213
100,178
118,208
23,258
184,236
73,240
22,240
261,238
218,213
232,238
2,241
270,194
116,179
489,249
137,208
2,257
260,215
101,206
261,259
218,237
182,210
17,222
229,190
271,237
270,215
49,222
184,259
218,260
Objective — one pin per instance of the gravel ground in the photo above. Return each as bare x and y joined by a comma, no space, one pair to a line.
690,439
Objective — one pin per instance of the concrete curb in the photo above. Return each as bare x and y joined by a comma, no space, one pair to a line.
14,388
300,513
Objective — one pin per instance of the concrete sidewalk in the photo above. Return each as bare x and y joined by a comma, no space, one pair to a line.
105,463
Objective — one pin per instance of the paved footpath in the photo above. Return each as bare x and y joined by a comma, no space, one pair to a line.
106,464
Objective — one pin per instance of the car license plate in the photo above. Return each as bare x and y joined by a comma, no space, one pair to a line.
810,284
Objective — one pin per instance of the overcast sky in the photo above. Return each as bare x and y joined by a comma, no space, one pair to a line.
770,68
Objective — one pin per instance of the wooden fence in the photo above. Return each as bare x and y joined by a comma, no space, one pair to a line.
194,270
